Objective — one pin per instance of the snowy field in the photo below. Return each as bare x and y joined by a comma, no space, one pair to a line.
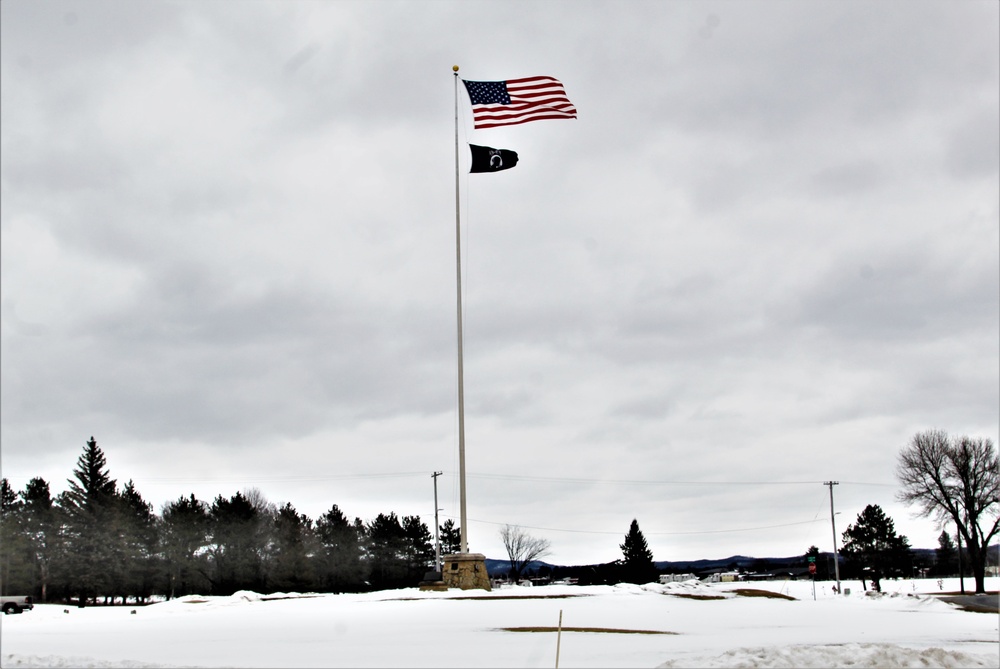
678,625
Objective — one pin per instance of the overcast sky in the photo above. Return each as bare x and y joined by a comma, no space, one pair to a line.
764,256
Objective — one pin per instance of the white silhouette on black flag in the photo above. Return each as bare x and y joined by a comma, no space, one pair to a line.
488,159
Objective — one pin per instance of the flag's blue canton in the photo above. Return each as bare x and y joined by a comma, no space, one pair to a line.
488,92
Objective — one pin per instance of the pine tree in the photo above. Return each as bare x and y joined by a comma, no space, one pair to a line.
293,537
237,545
451,537
42,531
637,560
946,555
138,540
386,548
185,529
92,487
418,551
341,568
15,551
89,533
8,499
873,548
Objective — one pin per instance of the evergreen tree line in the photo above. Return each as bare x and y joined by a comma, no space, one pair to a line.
98,542
872,551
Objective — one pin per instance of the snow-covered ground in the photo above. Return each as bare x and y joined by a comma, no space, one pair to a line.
696,625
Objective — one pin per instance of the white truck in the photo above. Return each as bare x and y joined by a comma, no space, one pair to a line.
16,603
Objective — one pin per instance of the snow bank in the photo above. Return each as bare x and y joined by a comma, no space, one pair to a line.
58,662
854,655
695,624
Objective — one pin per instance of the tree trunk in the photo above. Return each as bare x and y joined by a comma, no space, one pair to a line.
45,582
978,559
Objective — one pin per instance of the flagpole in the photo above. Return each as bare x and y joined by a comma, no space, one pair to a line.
463,524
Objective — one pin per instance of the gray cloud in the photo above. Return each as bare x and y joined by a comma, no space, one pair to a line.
763,256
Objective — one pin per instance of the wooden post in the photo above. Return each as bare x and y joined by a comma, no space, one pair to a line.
558,638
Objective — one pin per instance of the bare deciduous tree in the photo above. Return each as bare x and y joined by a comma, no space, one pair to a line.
955,480
522,548
259,501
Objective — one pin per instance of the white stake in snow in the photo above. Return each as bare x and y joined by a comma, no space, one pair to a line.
558,638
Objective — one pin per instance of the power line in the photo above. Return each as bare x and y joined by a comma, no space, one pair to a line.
559,479
277,479
495,477
665,534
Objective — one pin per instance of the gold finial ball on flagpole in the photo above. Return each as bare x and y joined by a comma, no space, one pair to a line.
455,68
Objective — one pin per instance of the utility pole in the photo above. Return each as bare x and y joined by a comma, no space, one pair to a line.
833,525
437,538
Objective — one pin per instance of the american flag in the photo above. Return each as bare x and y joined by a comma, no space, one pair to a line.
496,103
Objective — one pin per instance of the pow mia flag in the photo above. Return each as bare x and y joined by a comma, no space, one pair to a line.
488,159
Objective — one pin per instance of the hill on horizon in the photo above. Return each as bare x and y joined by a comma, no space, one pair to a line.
497,567
703,566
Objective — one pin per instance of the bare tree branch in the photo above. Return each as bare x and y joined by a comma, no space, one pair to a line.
522,548
956,480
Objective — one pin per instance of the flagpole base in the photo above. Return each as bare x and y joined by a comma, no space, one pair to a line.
466,571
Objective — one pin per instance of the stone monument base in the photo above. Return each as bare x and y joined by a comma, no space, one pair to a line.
466,571
433,582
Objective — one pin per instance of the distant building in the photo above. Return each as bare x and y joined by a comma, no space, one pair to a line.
722,577
677,578
786,574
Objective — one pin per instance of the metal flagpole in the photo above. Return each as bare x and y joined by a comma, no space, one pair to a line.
464,548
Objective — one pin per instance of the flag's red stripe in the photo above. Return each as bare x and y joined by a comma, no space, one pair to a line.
547,113
525,92
502,111
520,118
523,104
536,98
532,80
550,87
486,122
489,124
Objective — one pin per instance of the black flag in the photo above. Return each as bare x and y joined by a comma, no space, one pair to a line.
487,159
